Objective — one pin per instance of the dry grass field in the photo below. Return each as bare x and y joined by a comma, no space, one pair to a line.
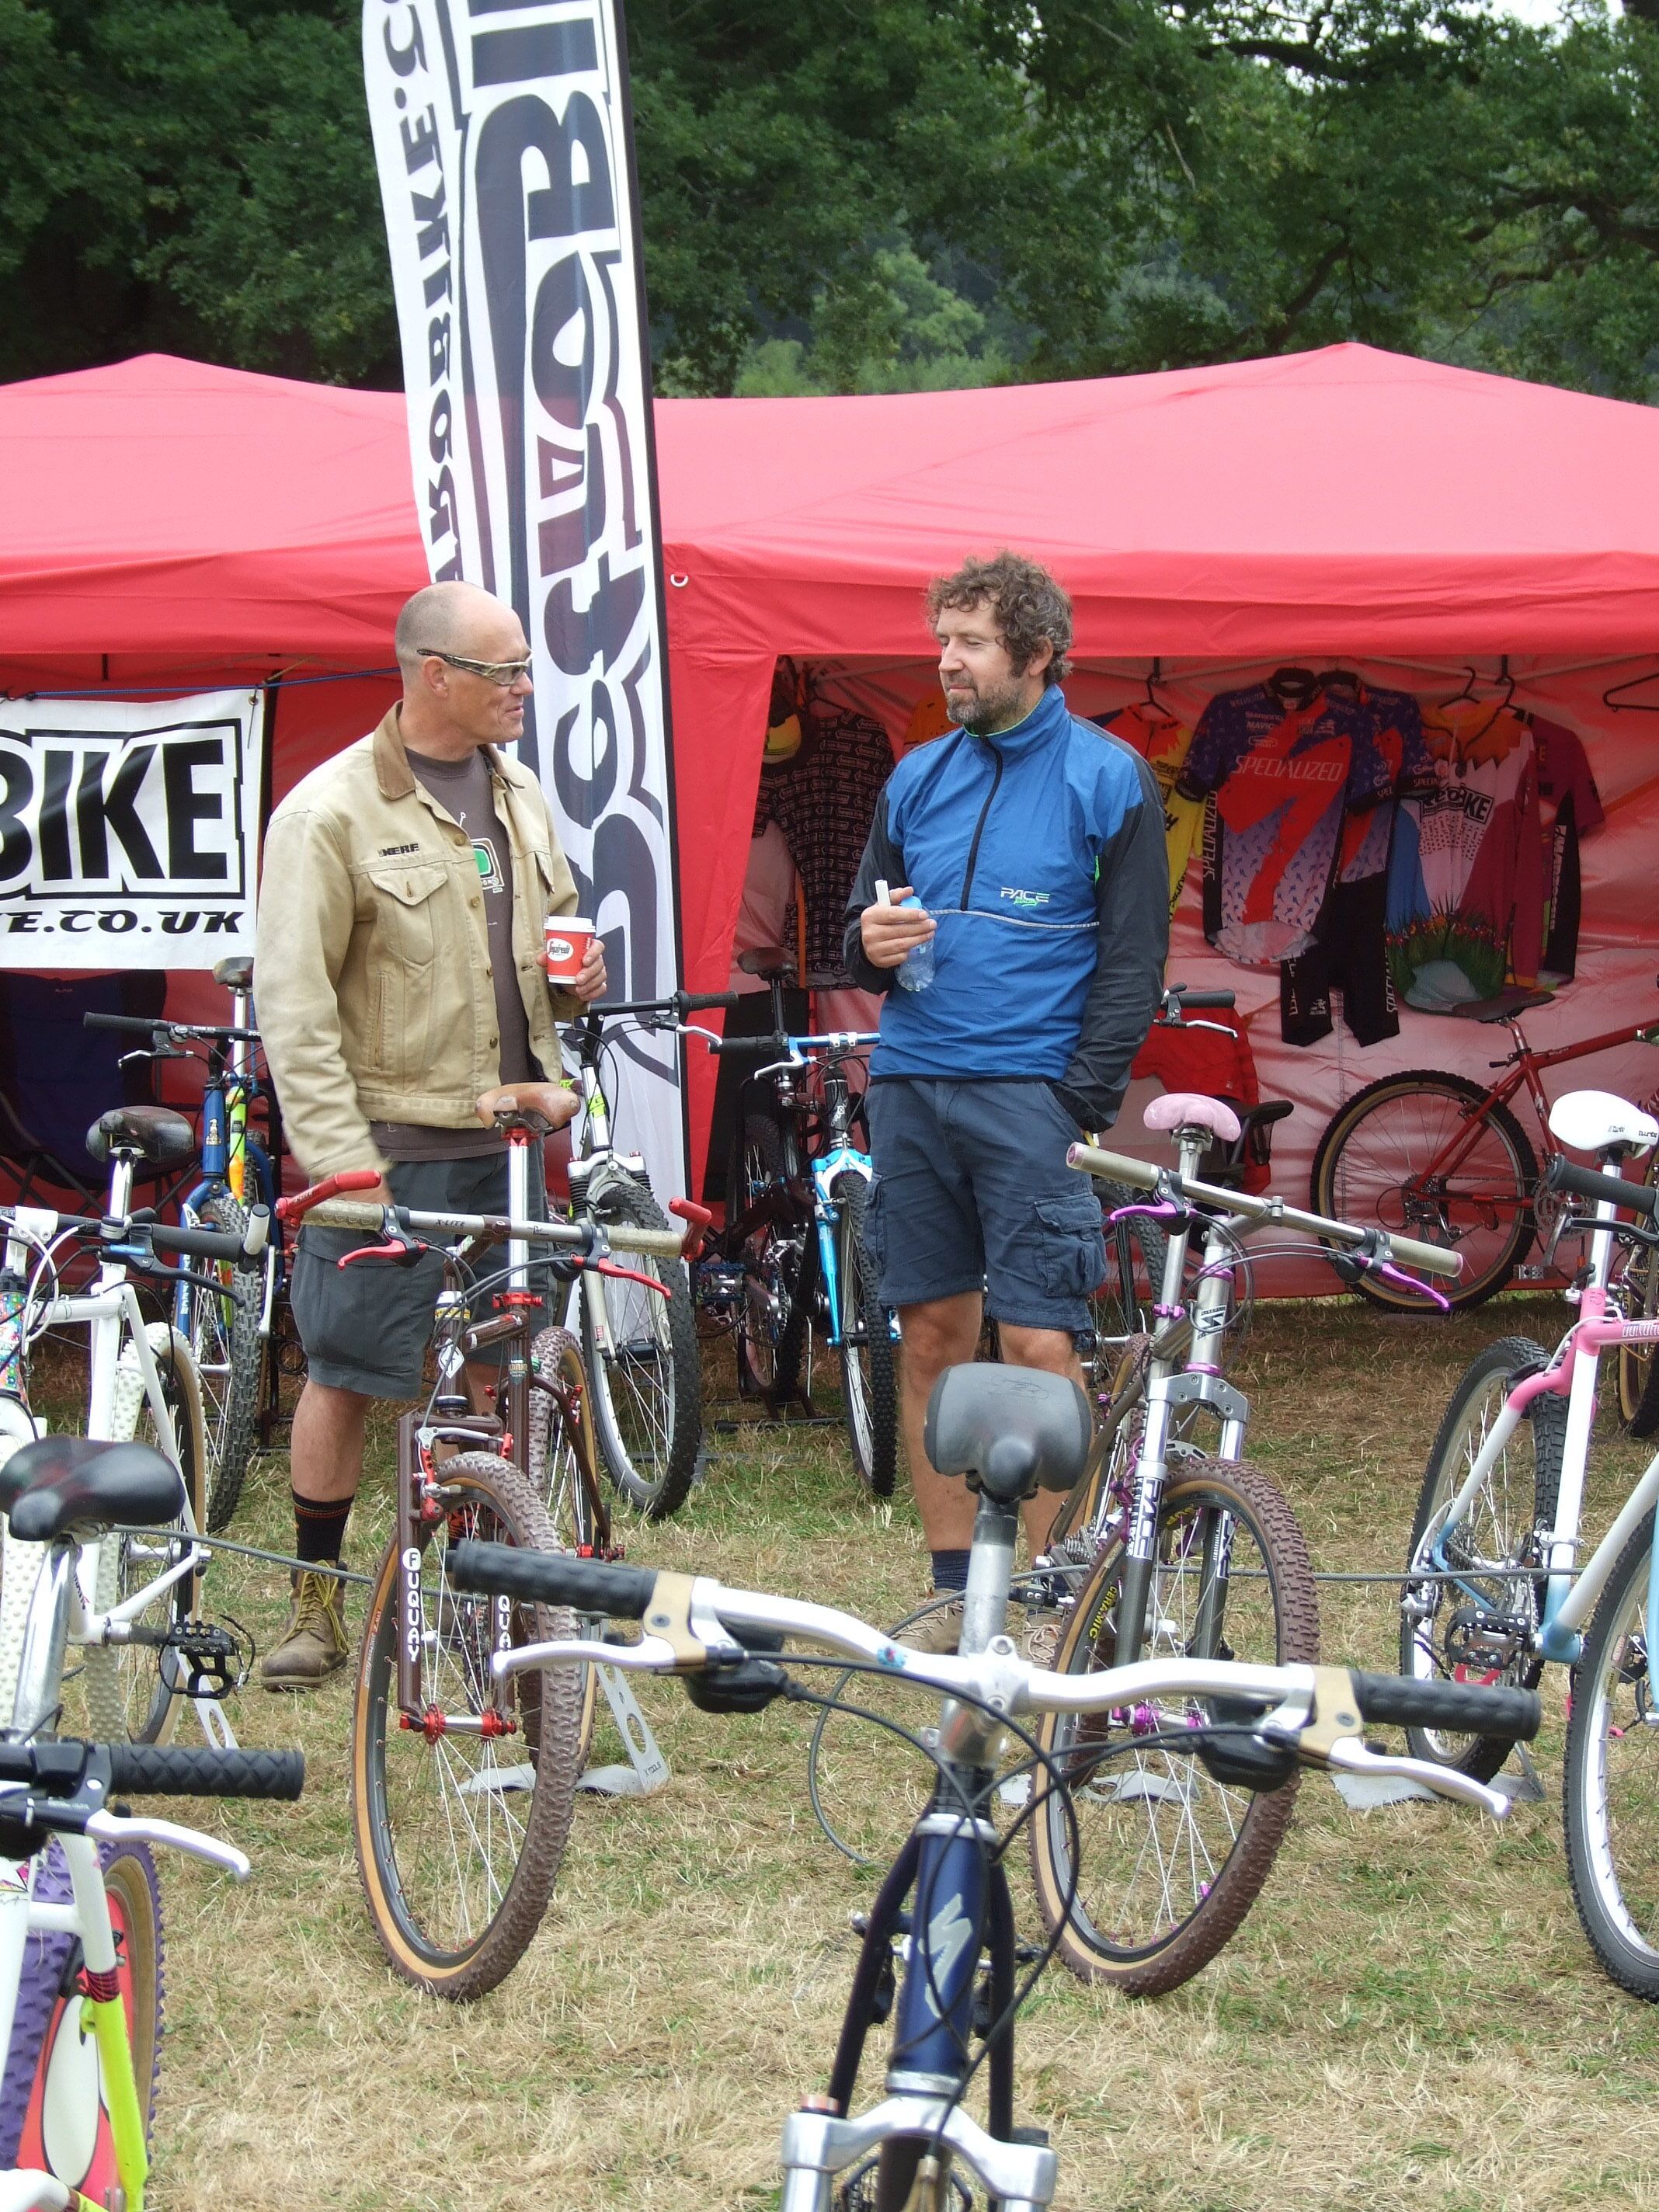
1409,2019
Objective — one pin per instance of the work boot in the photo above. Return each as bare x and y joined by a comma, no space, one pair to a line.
313,1644
939,1631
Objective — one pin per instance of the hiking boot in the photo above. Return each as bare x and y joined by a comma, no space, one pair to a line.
938,1630
313,1644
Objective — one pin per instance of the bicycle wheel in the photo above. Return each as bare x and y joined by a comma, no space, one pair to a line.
1135,1253
1610,1779
1169,1859
1479,1628
563,1458
647,1388
223,1331
1371,1169
460,1824
52,2116
869,1386
780,1266
121,1693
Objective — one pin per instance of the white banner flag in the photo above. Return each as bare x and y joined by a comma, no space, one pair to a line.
129,831
502,138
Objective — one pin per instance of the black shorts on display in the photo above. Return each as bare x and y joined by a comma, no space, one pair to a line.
1351,955
366,1328
972,1190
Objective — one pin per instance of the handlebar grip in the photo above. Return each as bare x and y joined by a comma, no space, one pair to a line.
131,1024
149,1769
751,1044
1565,1175
1212,1001
1115,1167
700,1002
1461,1708
201,1243
1427,1259
552,1578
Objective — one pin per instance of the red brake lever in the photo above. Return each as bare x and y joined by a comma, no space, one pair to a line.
696,1219
291,1209
397,1254
625,1274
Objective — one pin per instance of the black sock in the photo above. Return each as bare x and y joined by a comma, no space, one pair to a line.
321,1524
951,1570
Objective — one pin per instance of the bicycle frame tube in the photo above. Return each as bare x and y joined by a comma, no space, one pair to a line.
843,1160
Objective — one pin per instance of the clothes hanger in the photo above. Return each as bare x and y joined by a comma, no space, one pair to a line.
1468,740
1610,697
1151,704
1293,686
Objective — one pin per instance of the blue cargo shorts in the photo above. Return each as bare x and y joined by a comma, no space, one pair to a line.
972,1190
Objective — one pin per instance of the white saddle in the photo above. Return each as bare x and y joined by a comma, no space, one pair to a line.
1190,1109
1599,1121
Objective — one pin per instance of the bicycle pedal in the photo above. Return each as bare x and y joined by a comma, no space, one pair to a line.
201,1659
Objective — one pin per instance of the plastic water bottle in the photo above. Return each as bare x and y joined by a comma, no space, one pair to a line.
916,970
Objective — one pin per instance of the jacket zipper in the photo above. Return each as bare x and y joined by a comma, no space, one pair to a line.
979,829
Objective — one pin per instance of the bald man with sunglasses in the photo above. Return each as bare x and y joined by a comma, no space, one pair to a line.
404,891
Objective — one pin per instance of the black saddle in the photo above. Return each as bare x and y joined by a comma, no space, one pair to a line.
1012,1430
1504,1007
60,1483
235,973
768,961
155,1134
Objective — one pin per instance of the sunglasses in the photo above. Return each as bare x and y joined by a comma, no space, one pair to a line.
503,672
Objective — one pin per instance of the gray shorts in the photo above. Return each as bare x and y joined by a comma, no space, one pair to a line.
972,1189
366,1328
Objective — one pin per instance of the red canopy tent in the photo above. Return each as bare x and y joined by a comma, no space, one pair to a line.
170,523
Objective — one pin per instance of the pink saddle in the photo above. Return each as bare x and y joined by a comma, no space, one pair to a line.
1187,1109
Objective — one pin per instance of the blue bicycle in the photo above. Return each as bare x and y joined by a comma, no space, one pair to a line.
939,1957
229,1331
793,1253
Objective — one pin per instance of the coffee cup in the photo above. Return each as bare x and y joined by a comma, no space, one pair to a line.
568,937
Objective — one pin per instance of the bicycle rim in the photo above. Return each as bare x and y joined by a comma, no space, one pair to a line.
229,1354
869,1388
1169,1859
562,1464
648,1388
1610,1781
459,1834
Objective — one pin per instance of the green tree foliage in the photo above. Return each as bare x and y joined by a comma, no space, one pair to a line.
882,194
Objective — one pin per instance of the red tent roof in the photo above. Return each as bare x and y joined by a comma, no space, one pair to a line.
1343,501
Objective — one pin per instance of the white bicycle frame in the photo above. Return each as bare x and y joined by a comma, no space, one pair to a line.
110,1314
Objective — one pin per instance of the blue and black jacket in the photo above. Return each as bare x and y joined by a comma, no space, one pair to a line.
1040,853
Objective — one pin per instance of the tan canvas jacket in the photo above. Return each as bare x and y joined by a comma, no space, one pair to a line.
376,1000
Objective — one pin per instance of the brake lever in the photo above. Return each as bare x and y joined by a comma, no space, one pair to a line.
169,1833
397,1252
1353,1757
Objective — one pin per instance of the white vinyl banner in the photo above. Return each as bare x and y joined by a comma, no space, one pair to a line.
129,831
501,135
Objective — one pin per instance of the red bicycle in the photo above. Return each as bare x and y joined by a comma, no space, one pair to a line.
1436,1156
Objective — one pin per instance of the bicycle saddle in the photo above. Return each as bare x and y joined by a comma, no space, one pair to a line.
1504,1008
155,1134
1012,1430
60,1483
1189,1109
235,973
540,1107
767,960
1602,1121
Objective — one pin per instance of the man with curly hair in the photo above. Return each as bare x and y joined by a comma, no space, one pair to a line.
1035,846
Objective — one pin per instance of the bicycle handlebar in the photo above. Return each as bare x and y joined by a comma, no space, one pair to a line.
1565,1175
295,1208
1459,1708
620,1236
680,1002
548,1578
145,1025
1205,1001
215,1243
1142,1174
152,1770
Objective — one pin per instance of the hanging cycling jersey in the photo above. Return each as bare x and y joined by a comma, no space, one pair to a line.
823,801
1282,778
1570,807
1163,743
1467,878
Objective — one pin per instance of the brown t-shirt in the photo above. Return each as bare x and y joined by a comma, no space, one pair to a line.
464,789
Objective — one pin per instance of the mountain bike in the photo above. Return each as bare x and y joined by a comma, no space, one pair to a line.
143,1645
462,1788
1494,1589
235,1337
939,1957
81,1929
794,1250
640,1349
1447,1161
1164,1546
